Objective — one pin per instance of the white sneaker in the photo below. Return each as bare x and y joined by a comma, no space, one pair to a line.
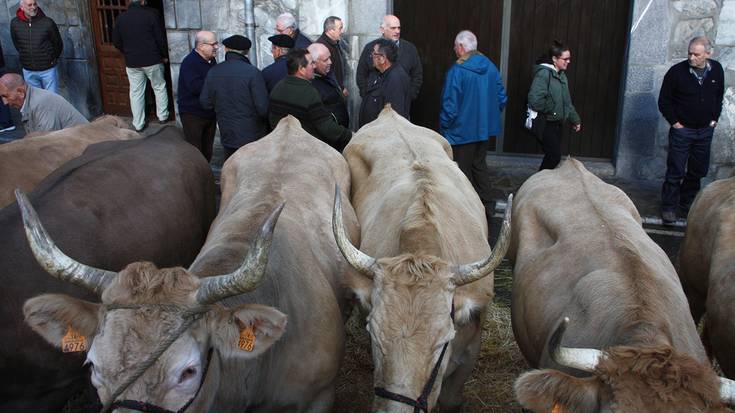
8,129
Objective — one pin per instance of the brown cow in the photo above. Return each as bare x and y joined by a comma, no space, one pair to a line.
580,252
420,217
212,361
707,268
25,162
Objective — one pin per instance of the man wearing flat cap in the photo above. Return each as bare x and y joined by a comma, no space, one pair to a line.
236,91
280,45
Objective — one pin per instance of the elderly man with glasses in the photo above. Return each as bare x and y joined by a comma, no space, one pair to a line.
199,124
388,83
286,24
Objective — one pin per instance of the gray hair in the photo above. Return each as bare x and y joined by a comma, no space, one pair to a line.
704,41
287,19
467,39
330,22
12,81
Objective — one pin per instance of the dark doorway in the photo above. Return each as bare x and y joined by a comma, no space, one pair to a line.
596,32
113,79
432,25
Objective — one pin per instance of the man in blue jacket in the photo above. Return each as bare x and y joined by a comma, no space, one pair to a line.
472,99
199,123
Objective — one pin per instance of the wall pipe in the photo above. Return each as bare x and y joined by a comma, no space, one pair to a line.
250,31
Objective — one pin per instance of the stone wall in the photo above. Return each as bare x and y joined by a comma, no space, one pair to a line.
660,34
227,17
78,77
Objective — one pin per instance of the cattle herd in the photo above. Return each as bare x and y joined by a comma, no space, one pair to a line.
119,270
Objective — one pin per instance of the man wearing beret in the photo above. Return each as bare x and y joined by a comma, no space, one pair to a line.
295,96
280,45
236,91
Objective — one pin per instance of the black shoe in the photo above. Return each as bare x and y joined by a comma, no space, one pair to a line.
668,217
145,125
162,122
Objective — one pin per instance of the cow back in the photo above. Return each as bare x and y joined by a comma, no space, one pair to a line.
707,267
305,272
25,162
579,251
149,199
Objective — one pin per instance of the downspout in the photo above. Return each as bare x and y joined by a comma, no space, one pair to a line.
250,31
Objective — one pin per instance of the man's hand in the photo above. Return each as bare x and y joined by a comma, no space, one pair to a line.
577,127
677,125
345,92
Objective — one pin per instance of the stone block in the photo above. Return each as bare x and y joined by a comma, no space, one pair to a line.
728,107
723,145
169,14
695,9
726,56
188,14
639,79
80,86
74,12
55,10
7,42
178,45
650,39
651,168
216,18
687,29
367,16
726,26
313,12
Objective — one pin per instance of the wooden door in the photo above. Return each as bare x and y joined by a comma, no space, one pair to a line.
432,25
596,33
111,64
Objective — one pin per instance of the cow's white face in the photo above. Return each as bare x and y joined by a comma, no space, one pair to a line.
409,323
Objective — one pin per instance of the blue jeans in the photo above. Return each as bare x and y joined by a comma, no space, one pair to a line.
45,79
686,165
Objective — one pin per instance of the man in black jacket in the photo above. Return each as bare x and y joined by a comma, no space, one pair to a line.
39,45
408,57
286,24
388,83
691,101
276,71
236,91
325,83
139,35
332,39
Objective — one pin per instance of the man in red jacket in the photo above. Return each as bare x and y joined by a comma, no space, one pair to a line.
39,45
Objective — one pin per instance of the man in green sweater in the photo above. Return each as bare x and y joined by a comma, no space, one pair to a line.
294,95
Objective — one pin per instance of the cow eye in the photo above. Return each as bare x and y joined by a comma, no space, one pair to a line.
187,374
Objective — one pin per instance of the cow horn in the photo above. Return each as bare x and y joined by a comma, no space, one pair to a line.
50,257
727,391
250,274
465,274
357,259
584,359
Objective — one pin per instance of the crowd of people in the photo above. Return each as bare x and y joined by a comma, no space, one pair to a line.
308,80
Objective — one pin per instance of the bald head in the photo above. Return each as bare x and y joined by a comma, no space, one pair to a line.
205,43
12,80
391,27
321,57
12,90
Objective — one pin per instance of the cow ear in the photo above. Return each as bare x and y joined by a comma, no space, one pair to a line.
248,331
542,390
54,316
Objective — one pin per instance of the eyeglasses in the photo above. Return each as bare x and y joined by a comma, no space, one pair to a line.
213,44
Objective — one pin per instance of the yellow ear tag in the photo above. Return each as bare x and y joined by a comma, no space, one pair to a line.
557,408
73,341
247,339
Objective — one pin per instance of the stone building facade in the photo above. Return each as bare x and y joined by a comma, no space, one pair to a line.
659,33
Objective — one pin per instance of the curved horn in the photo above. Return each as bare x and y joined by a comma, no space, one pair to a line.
584,359
467,273
357,259
50,257
727,391
250,274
